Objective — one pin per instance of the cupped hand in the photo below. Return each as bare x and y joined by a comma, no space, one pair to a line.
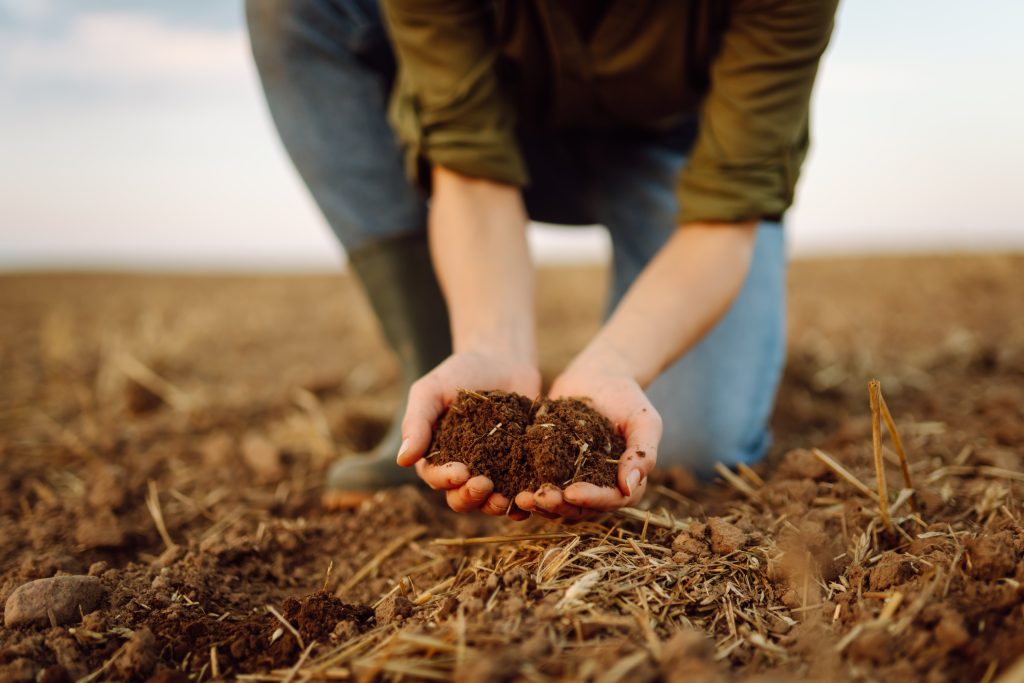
430,396
616,395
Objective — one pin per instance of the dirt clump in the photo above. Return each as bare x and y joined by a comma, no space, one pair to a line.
137,657
259,640
521,444
725,537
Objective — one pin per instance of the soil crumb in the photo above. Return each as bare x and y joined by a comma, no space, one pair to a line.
521,444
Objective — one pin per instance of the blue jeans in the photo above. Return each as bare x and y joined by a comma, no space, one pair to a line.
327,70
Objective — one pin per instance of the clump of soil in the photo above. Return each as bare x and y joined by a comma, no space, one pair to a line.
521,444
259,640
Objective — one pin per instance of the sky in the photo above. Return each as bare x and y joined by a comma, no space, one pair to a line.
133,134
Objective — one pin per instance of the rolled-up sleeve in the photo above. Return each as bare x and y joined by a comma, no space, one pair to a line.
448,107
754,120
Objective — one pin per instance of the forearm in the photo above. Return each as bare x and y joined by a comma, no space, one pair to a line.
478,244
677,299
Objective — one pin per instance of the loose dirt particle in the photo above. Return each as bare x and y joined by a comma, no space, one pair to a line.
62,595
950,632
521,444
262,457
992,557
891,570
688,547
394,608
725,537
137,657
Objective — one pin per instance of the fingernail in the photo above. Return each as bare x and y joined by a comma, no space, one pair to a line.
632,481
402,449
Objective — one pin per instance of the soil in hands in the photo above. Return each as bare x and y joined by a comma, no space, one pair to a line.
521,444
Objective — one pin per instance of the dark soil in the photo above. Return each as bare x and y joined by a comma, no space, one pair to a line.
520,444
259,641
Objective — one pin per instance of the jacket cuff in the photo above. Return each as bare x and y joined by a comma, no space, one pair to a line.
730,192
499,161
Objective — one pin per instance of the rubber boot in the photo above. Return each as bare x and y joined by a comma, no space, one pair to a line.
399,281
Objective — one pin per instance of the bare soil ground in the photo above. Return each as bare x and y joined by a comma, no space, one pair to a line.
168,436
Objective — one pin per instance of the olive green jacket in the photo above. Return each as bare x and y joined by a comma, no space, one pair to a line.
471,71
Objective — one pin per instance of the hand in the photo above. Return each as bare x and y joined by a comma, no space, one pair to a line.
428,399
613,392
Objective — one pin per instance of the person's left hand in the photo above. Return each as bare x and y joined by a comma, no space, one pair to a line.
616,395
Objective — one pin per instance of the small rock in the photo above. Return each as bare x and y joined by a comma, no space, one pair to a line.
63,595
97,568
262,457
725,537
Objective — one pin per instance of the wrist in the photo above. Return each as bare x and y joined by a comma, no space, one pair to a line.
512,350
603,356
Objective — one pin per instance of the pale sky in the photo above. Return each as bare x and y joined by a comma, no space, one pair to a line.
133,134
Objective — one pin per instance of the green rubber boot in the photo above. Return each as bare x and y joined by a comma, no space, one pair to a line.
399,281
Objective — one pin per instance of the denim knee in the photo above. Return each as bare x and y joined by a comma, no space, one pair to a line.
725,437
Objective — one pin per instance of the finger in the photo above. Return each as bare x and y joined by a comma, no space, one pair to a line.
425,405
450,475
638,492
549,499
525,501
499,505
471,495
643,433
496,504
586,495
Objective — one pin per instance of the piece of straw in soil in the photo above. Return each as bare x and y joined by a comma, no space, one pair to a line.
843,473
737,483
897,443
876,447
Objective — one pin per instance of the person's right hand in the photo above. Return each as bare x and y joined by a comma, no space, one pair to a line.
431,395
